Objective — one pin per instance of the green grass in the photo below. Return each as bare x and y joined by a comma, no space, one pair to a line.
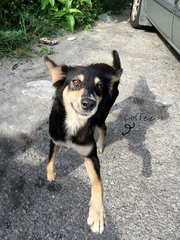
21,45
22,24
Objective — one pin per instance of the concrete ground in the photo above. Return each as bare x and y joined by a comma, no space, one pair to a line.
140,165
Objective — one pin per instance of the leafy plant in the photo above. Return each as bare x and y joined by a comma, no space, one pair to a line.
23,22
46,51
68,9
113,6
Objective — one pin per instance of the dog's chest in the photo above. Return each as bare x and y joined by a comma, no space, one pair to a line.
73,124
83,150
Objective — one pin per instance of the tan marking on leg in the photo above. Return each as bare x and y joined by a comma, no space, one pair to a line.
51,173
100,142
96,217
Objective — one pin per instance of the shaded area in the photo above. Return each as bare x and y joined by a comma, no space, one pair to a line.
137,114
32,208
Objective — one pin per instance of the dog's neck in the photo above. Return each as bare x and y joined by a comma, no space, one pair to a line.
73,122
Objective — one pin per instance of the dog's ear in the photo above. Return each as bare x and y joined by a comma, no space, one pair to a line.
114,71
57,72
117,66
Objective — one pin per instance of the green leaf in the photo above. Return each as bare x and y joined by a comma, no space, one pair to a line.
74,10
62,1
68,4
52,2
44,4
55,8
71,21
60,13
89,3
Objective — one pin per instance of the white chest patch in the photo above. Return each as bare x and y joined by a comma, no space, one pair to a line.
73,123
81,150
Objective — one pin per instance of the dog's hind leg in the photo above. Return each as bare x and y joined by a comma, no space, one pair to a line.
50,167
100,142
96,216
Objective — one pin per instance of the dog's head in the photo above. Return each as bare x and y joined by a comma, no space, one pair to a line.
82,88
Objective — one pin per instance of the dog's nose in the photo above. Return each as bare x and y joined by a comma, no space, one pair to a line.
88,104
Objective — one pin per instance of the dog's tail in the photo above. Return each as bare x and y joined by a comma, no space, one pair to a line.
116,60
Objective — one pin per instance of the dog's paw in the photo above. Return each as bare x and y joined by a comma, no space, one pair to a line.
99,150
96,219
51,176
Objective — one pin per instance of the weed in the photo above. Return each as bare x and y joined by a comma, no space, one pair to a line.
46,51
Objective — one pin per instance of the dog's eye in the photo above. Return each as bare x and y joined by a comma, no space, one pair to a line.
76,82
100,86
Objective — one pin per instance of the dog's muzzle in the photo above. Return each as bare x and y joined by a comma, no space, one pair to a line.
88,104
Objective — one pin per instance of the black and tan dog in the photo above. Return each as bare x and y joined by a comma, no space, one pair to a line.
83,99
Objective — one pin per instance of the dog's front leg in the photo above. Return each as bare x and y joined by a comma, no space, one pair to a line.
96,217
50,167
100,142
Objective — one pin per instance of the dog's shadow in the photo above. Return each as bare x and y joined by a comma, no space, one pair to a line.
134,116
